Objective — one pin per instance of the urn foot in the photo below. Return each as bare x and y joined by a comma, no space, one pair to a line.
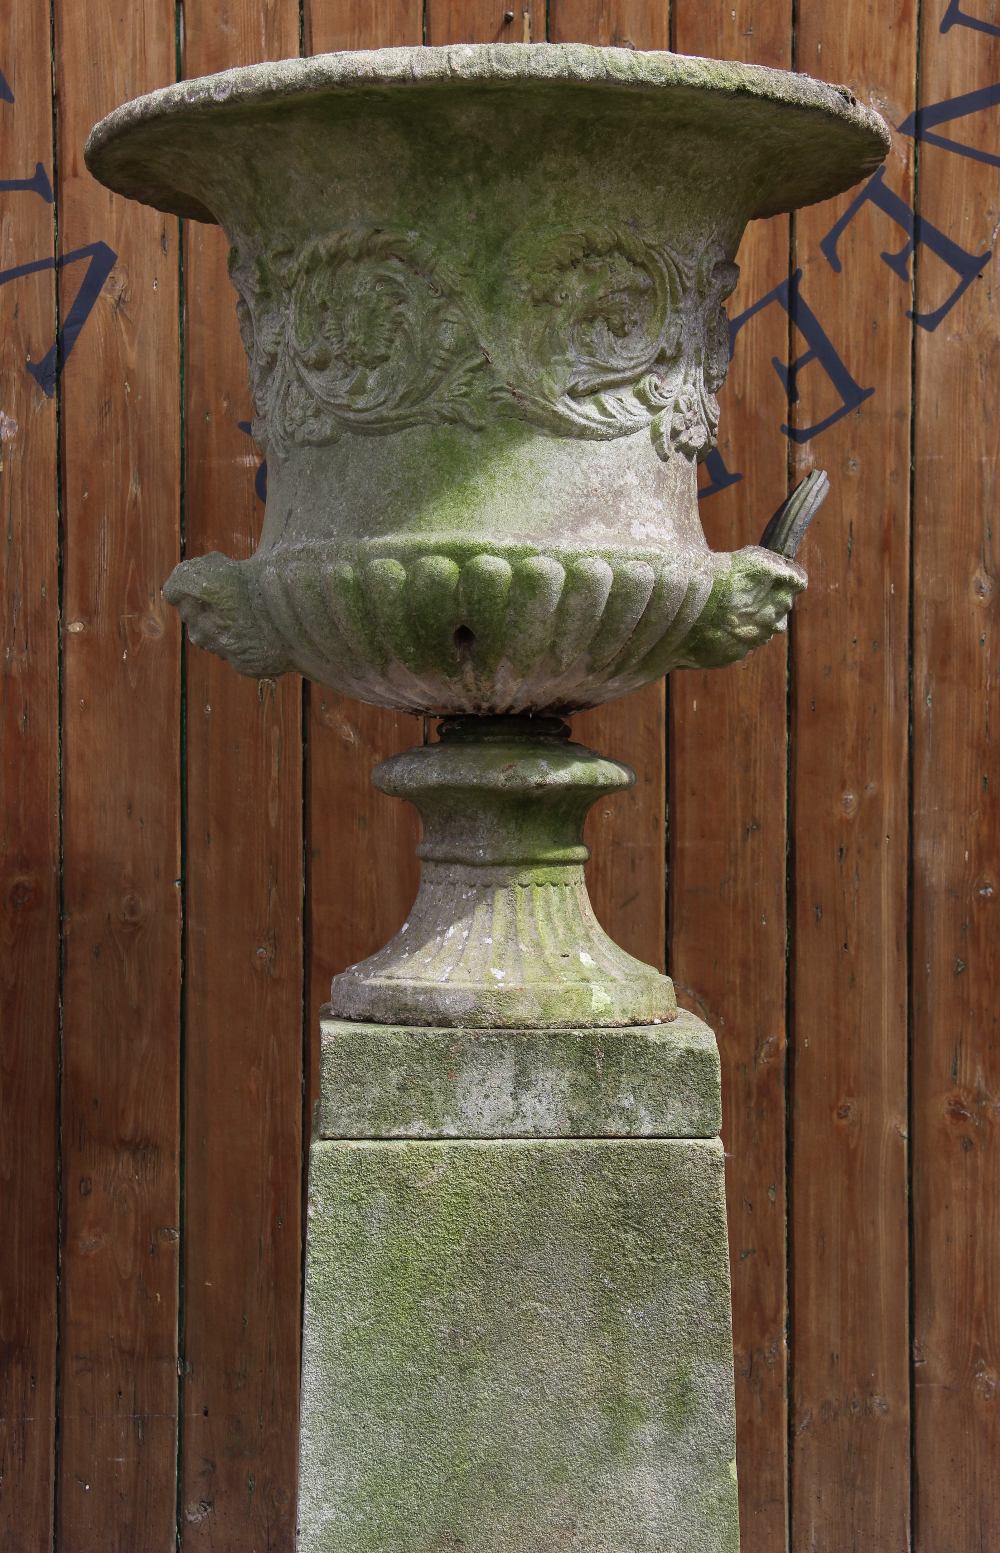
502,932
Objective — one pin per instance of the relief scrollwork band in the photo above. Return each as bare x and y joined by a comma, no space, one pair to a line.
355,332
599,334
631,334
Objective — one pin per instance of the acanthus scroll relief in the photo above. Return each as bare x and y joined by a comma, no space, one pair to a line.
354,332
602,334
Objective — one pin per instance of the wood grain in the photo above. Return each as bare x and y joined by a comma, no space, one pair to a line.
956,819
118,1425
850,1460
244,960
29,809
362,864
636,24
728,832
361,24
484,21
627,835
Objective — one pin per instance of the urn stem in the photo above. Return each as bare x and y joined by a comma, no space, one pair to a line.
502,932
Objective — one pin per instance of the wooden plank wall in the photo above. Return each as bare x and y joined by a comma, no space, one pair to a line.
955,1115
29,810
848,831
186,857
122,809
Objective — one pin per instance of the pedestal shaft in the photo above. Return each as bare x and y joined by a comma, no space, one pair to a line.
518,1339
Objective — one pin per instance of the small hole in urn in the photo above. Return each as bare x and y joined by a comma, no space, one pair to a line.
464,640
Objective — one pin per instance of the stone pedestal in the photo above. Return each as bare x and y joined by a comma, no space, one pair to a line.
517,1323
481,292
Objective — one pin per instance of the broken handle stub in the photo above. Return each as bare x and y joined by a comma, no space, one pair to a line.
787,529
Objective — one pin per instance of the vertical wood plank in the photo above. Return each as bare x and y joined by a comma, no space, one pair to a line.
244,966
627,835
29,805
117,1482
850,1476
363,869
626,872
636,24
956,821
484,21
728,833
361,24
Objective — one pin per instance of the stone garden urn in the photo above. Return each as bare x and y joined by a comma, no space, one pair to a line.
481,291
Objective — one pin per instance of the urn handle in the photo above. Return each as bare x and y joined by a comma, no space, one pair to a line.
754,588
787,529
220,604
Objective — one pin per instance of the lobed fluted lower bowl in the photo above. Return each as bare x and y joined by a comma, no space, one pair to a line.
481,291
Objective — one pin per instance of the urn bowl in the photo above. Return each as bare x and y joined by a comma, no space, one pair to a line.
481,291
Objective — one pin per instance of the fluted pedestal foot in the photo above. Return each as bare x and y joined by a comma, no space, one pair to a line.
502,932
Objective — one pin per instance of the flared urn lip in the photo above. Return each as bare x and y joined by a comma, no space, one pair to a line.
813,139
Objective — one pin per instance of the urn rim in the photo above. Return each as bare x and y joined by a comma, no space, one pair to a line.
788,113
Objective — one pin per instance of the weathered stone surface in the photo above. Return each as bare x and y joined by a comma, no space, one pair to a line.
481,291
489,627
514,1346
385,1081
804,139
502,932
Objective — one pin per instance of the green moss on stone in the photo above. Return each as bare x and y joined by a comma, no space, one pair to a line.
517,1345
386,1081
